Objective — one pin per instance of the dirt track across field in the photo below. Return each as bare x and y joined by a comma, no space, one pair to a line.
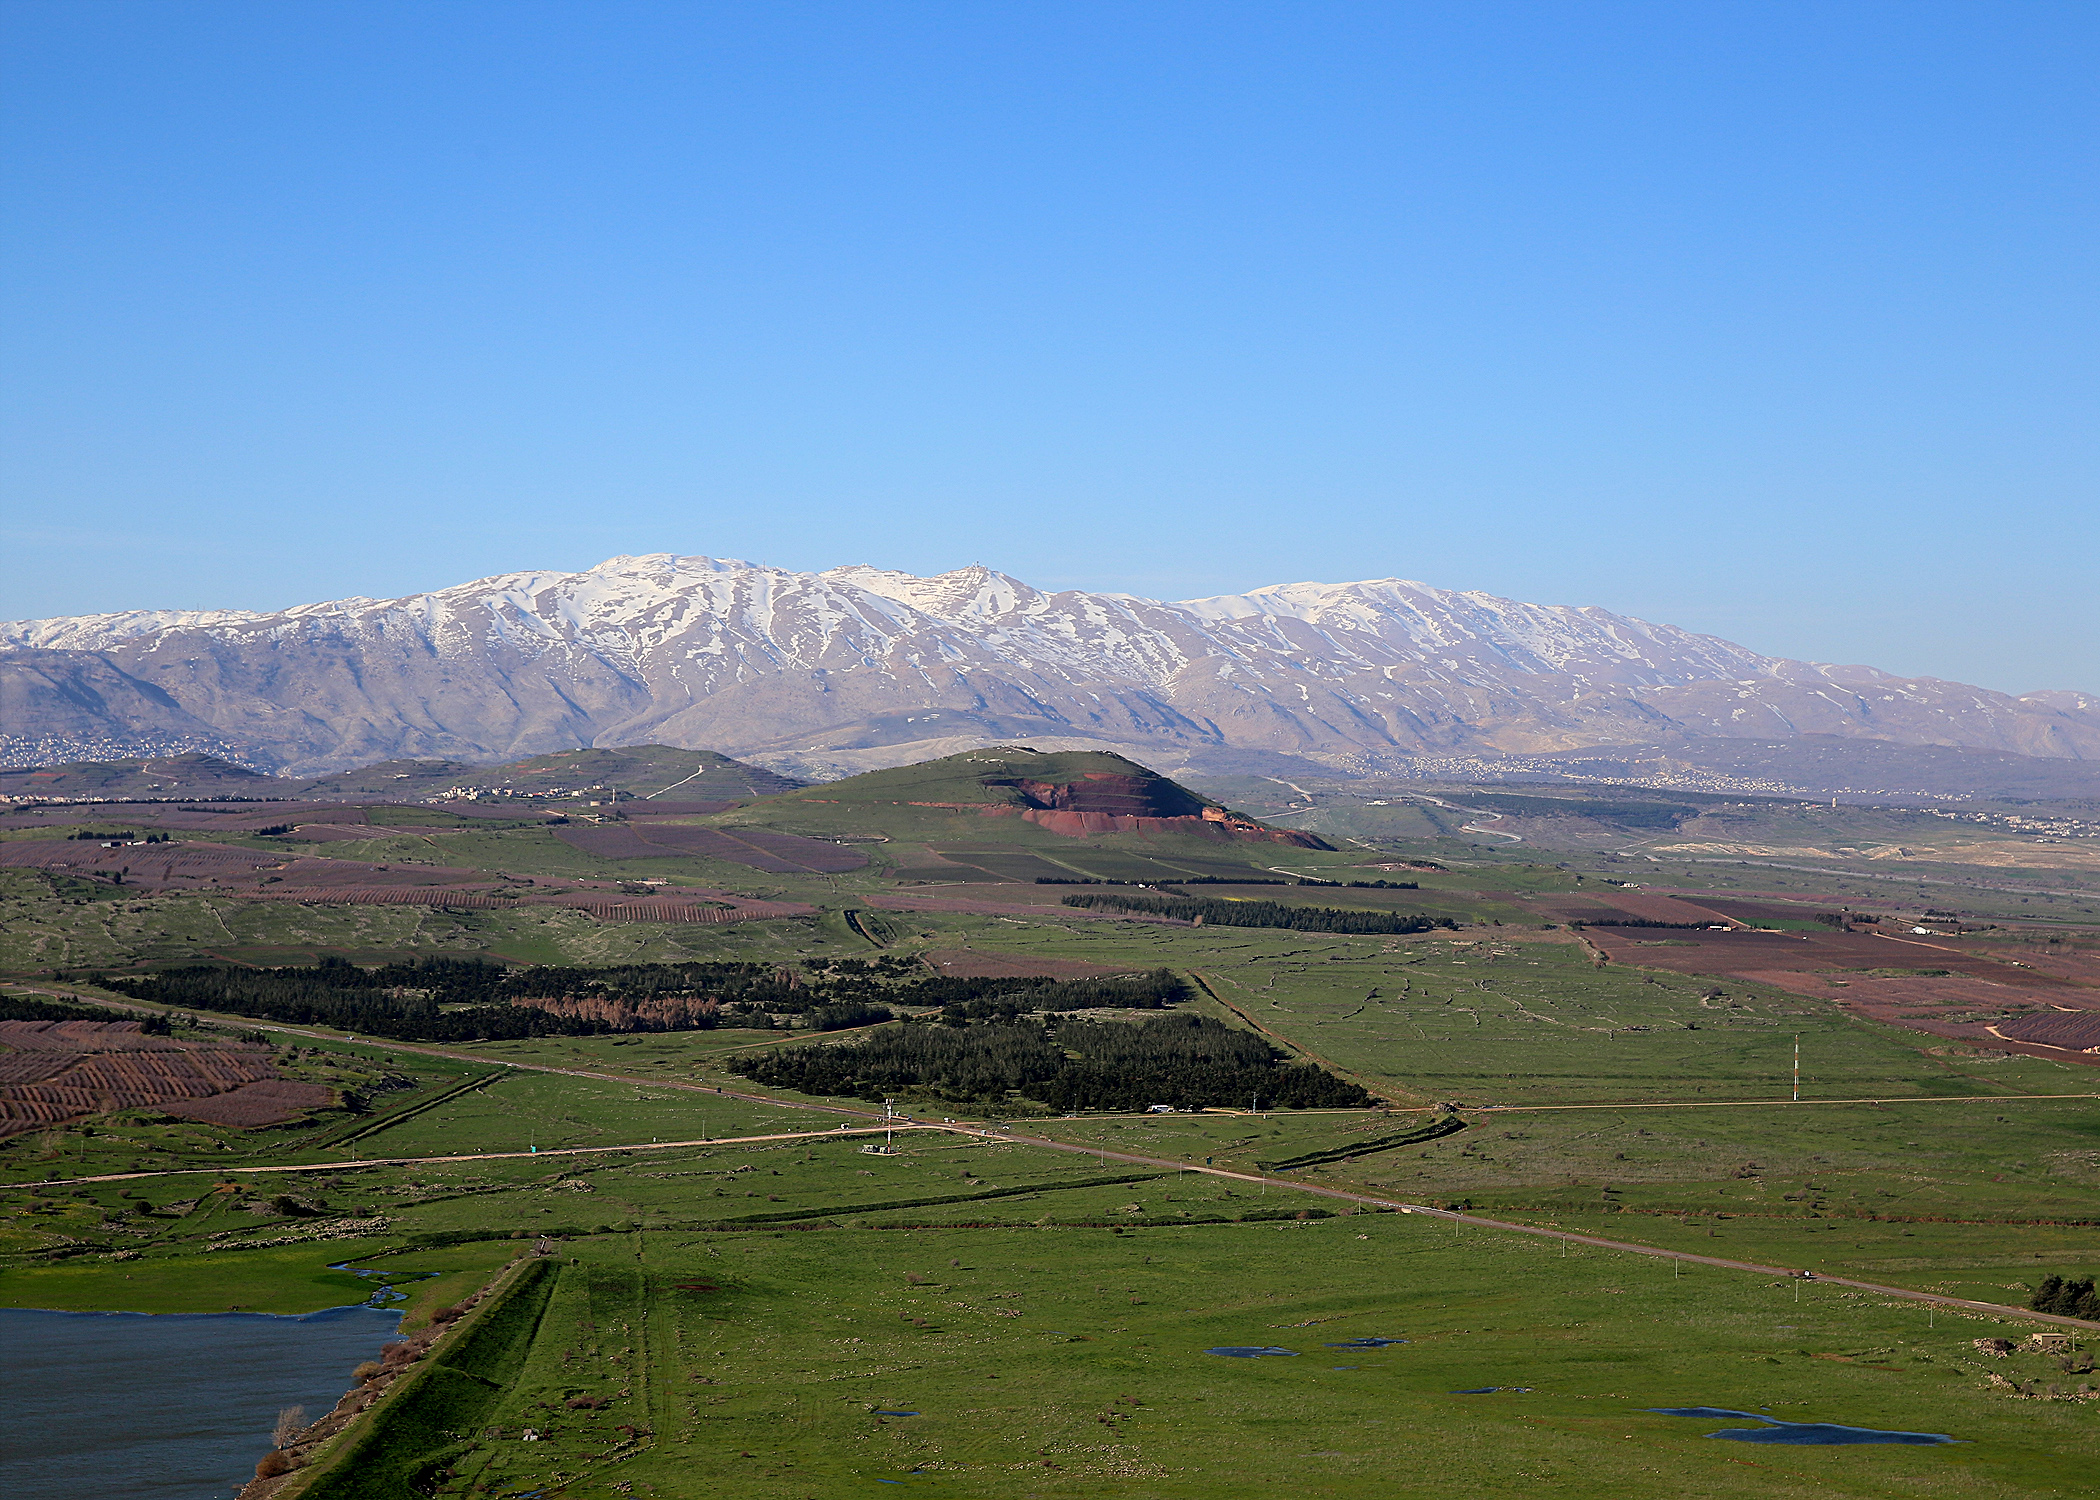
982,1131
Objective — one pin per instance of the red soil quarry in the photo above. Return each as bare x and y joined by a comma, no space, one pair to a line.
53,1071
1084,824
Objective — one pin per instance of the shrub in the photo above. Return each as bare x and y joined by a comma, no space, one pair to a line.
2067,1298
272,1464
290,1423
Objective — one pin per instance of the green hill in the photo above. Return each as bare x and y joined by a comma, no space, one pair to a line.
640,771
1009,793
1017,777
194,776
646,771
393,780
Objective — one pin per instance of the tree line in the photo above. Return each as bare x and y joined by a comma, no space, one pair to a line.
453,999
1215,913
1065,1063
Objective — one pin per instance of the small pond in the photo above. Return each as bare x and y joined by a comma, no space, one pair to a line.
1817,1434
1251,1351
169,1406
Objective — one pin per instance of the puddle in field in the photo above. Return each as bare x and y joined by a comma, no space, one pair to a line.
1247,1351
881,1413
1489,1390
387,1292
1818,1434
1367,1344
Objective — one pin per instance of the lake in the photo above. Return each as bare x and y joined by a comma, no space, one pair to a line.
169,1406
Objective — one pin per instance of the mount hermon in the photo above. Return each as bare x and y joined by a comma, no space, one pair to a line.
881,667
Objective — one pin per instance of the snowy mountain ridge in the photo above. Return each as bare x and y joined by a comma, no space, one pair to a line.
723,654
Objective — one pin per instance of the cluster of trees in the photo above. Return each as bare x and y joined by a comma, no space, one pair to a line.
22,1008
2066,1298
452,999
1009,999
1187,1061
1263,914
394,1000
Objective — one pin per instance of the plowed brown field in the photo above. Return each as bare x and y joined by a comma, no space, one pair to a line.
61,1070
774,853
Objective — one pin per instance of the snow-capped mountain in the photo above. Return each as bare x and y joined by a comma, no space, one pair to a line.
858,661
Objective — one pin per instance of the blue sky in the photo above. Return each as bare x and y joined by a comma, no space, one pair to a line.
1771,320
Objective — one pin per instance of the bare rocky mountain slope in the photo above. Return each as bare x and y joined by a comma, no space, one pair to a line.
856,667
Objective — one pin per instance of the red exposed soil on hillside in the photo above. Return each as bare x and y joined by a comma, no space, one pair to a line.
1122,796
1106,802
1082,824
63,1070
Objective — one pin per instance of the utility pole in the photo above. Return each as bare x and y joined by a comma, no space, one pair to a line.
1797,1067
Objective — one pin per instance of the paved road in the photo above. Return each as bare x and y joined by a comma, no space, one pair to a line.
1478,812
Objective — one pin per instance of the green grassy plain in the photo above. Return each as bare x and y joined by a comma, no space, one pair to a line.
749,1311
1062,1362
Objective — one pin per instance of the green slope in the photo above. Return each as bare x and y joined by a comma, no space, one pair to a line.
998,776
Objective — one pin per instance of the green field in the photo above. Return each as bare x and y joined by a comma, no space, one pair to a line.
1061,1362
751,1312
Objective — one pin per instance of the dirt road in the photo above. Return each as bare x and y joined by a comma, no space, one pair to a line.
987,1132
